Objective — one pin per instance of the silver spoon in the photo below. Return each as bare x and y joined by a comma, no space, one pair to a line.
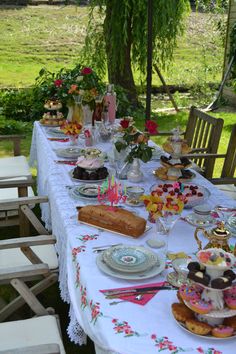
137,297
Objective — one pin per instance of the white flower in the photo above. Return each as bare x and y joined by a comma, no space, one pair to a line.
79,78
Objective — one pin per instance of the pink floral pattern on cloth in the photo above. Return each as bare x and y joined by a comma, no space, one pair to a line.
77,250
124,328
163,343
84,301
95,311
85,238
121,326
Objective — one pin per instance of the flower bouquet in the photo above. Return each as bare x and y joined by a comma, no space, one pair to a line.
166,208
135,141
72,129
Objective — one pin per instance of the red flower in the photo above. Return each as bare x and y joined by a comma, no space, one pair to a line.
86,71
124,123
58,83
151,127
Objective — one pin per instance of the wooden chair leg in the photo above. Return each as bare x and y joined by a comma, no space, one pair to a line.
20,300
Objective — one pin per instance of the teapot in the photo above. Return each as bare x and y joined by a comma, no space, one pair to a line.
218,238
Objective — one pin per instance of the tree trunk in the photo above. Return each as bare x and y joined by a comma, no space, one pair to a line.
119,74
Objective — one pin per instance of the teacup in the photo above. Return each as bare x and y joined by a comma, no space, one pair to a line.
134,193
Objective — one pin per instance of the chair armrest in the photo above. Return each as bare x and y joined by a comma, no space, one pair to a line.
223,180
36,349
11,204
165,133
10,182
16,139
23,271
205,156
27,241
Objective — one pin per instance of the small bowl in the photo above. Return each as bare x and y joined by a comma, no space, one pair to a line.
135,192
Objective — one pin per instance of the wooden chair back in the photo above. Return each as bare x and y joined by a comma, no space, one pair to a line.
203,134
16,140
230,156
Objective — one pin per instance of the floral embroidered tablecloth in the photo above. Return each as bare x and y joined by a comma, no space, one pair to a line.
125,328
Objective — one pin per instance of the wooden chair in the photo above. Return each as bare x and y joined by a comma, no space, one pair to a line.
26,259
15,178
227,180
202,134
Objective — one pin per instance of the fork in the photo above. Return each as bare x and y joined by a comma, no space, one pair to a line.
137,297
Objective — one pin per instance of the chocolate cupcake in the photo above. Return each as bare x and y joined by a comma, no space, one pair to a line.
199,277
221,283
195,266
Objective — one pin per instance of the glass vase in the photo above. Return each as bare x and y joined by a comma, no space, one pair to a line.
75,113
74,140
135,174
87,114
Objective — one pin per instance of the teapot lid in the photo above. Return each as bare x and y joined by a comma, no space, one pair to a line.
220,230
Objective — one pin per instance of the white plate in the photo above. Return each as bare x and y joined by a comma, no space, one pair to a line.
130,259
85,180
56,132
208,336
70,152
225,313
137,276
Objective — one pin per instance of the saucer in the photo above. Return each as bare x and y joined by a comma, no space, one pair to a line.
195,220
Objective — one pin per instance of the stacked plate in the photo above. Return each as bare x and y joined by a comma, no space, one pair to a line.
70,152
130,262
88,191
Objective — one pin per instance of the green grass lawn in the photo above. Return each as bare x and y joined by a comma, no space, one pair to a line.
52,37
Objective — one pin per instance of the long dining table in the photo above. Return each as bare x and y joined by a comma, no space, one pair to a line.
127,327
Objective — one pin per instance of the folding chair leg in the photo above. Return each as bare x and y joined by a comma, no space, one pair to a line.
21,300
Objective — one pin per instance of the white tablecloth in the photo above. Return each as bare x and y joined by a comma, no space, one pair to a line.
126,328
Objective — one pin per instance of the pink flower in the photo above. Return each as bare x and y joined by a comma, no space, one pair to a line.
200,350
58,83
86,71
151,127
153,336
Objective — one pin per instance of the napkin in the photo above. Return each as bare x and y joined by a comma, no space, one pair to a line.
63,140
71,163
131,298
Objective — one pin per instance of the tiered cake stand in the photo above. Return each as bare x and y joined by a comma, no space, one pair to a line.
53,117
175,166
220,311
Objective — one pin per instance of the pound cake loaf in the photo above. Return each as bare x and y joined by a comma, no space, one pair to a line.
115,219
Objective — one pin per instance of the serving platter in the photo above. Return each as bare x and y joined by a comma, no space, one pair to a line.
85,180
208,336
69,152
112,231
129,259
152,272
191,201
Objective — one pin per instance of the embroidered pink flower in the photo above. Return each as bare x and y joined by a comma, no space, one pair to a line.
86,71
200,350
58,83
151,127
153,336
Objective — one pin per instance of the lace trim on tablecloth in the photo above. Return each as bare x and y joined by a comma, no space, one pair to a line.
75,331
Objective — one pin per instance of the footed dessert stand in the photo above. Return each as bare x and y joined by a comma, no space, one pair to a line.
175,166
212,296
